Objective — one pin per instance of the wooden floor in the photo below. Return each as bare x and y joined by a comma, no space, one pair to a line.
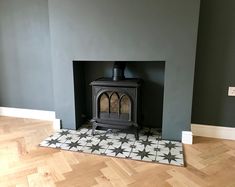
210,162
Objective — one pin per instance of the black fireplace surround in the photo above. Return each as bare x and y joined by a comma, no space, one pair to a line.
116,101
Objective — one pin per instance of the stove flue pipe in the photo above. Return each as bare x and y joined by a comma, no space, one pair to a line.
118,71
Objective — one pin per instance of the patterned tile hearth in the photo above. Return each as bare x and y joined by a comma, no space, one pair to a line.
150,147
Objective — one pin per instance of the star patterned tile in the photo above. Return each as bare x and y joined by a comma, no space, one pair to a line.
150,147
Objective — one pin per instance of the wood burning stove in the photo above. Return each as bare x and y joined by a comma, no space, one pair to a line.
116,101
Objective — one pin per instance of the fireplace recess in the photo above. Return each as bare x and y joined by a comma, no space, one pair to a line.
116,103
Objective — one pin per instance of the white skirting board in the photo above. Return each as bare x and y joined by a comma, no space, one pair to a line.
32,114
187,137
213,131
196,129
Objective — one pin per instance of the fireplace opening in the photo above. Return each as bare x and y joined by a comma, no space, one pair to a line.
118,104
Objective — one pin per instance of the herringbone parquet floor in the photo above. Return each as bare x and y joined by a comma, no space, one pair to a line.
210,163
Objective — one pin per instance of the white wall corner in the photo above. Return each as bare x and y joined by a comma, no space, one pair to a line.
57,124
187,137
213,131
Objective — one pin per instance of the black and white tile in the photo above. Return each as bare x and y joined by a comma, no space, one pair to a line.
150,147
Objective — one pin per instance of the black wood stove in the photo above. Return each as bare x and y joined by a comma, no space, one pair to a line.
116,101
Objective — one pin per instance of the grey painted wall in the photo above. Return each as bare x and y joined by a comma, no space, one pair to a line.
159,30
25,61
215,64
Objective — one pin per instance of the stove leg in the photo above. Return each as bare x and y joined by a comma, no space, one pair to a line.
94,125
137,134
